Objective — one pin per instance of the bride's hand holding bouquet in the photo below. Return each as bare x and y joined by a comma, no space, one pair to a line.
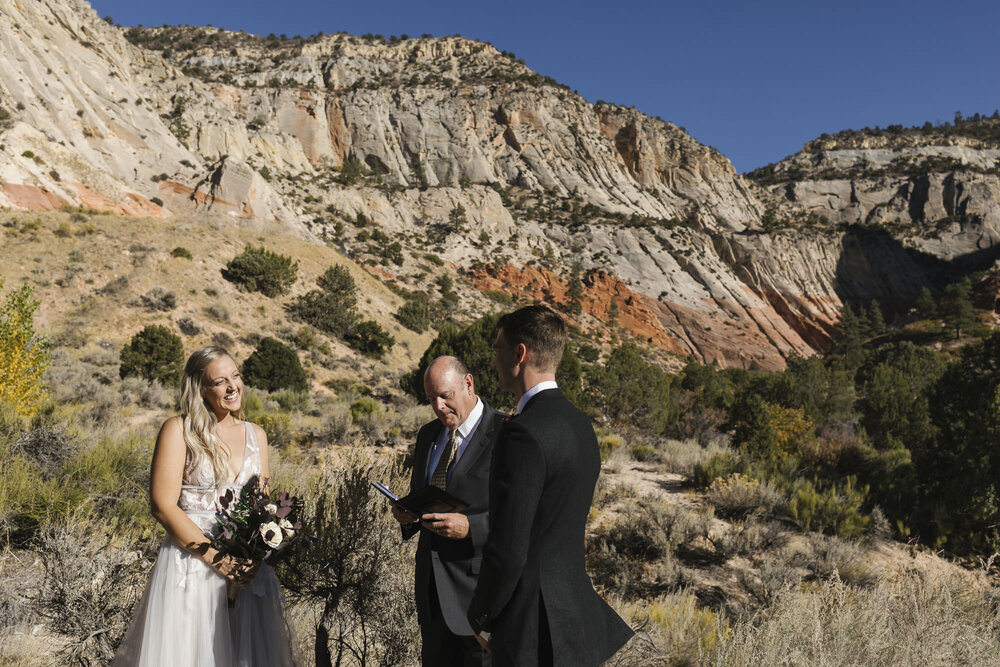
255,527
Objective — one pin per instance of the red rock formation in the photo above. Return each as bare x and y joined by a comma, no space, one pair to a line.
34,198
31,198
379,272
135,205
818,327
338,129
755,337
536,283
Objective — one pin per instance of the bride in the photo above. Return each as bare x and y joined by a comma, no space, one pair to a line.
183,618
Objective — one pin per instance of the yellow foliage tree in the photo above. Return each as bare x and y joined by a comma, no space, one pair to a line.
793,429
24,354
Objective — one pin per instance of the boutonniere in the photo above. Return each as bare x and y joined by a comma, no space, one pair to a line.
507,419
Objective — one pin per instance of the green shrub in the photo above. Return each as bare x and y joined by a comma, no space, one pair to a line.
634,554
363,407
352,170
736,496
181,252
273,366
719,465
292,401
278,427
959,469
370,339
327,312
36,492
415,314
260,270
607,444
155,353
500,297
114,474
836,510
588,353
642,451
338,280
19,486
332,308
632,390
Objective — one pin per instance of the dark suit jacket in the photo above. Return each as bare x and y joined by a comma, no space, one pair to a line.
455,563
534,594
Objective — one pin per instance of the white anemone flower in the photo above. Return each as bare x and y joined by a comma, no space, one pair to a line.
274,531
271,508
286,527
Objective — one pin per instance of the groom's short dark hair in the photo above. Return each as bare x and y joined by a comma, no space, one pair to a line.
540,330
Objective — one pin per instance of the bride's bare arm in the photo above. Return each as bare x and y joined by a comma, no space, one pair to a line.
165,489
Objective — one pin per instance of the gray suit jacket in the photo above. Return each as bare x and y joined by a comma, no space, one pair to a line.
455,563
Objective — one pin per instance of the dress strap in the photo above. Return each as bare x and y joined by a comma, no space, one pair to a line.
251,436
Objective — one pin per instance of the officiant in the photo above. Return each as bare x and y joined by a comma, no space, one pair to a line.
452,452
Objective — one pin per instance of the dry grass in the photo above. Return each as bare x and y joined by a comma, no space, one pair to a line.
908,620
671,629
681,456
737,496
115,280
93,578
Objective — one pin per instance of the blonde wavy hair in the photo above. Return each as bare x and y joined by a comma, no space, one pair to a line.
200,422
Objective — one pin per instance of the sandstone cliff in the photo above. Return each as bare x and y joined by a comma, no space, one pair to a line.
935,189
422,156
83,122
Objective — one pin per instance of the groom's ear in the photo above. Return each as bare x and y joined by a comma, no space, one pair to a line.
521,354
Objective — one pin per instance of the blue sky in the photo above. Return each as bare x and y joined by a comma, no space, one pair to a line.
753,79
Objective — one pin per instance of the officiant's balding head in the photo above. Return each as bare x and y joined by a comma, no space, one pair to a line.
450,390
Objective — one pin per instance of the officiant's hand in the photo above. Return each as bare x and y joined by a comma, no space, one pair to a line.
401,515
452,525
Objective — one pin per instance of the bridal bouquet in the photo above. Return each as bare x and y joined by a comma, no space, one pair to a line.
256,526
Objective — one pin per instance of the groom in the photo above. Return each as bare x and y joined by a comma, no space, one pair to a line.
534,603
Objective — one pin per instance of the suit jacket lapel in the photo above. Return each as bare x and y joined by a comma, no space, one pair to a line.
480,437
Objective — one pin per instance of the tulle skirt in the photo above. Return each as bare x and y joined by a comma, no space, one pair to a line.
183,619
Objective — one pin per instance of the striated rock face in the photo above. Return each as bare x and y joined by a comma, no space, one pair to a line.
941,194
83,122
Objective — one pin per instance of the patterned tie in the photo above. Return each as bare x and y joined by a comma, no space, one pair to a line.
440,476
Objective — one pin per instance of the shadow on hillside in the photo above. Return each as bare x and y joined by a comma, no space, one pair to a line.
874,265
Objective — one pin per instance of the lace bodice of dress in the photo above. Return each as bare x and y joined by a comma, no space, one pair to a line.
199,494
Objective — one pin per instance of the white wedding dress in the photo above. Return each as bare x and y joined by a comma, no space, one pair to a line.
183,619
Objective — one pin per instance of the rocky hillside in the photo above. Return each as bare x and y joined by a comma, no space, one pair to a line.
419,157
935,188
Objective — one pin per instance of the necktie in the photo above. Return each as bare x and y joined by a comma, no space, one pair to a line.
440,476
